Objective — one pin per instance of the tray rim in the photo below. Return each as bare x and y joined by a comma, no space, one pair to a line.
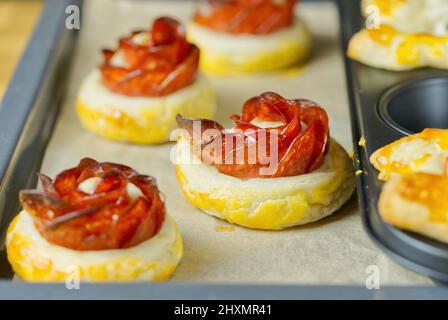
35,61
51,15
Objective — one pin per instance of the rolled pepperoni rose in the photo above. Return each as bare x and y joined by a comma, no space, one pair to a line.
301,140
246,16
96,206
154,63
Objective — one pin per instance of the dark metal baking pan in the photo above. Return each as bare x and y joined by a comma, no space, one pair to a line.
414,105
386,106
27,116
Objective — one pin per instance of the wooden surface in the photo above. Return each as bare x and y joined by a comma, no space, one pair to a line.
17,19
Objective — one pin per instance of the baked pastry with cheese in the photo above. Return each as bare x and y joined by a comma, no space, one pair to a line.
410,16
276,168
412,34
426,151
135,94
388,48
417,202
244,36
415,168
96,222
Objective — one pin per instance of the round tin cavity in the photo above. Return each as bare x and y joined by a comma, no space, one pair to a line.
413,106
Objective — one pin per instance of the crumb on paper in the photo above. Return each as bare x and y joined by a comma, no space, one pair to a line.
351,154
362,142
224,228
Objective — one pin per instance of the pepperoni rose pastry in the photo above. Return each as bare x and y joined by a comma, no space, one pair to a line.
135,94
244,36
276,168
102,221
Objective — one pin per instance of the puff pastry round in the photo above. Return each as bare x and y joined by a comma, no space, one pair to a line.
94,222
224,54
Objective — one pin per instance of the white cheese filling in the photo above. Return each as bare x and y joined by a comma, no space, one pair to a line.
88,186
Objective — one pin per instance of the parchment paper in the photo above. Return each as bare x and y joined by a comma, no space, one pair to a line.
335,250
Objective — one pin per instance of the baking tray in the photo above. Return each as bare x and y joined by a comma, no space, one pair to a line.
386,106
28,115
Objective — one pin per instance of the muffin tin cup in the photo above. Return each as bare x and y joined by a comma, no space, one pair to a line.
415,105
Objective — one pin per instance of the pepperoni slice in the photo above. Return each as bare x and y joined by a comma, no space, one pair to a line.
162,63
246,16
296,147
107,218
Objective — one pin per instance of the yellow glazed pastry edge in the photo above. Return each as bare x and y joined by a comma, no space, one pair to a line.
270,204
143,120
33,258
